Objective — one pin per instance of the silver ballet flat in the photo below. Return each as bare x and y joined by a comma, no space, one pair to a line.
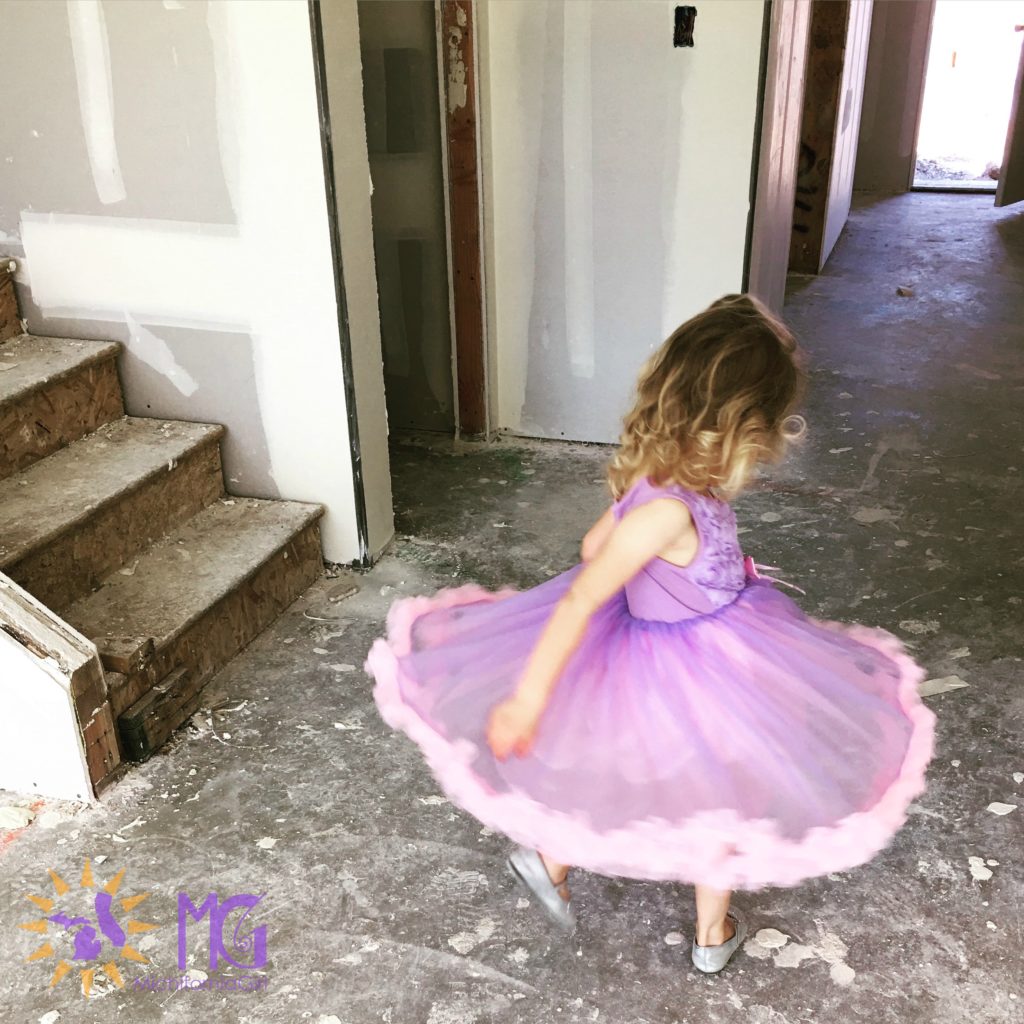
711,959
528,867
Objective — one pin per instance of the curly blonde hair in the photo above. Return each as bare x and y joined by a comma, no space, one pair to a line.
714,401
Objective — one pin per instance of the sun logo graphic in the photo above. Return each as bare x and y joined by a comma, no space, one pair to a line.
79,936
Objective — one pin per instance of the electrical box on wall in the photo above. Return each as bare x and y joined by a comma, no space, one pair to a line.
683,35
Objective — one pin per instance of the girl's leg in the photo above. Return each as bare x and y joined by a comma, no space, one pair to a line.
713,927
558,873
545,878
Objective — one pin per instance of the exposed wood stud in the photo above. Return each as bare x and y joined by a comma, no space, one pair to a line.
458,55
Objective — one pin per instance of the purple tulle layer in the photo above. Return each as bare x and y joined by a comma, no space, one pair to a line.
750,747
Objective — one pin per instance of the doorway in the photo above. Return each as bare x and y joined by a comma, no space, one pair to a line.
398,45
968,94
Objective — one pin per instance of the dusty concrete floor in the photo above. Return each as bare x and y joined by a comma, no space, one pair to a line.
383,903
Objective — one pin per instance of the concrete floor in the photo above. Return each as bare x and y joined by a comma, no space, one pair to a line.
383,903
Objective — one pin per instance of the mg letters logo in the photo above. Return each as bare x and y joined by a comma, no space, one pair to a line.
90,931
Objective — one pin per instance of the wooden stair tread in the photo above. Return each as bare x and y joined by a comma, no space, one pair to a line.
28,362
179,578
60,492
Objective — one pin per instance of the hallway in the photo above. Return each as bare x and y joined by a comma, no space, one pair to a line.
902,509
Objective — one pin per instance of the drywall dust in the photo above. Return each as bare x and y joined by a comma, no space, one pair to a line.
980,871
772,944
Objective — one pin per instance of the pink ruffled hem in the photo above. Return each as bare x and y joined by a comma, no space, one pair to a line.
713,848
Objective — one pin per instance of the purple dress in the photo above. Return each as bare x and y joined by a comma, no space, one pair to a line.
705,730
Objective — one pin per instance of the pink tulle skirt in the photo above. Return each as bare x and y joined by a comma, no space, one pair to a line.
750,747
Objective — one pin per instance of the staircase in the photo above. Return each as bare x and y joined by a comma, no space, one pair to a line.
122,526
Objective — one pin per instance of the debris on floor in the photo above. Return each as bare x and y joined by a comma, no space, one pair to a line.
931,687
999,808
14,817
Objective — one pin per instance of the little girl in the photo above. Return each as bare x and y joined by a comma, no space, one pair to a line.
661,711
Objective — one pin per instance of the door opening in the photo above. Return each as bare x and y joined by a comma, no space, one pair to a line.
398,45
968,94
421,132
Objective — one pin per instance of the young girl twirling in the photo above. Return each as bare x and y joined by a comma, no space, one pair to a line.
662,711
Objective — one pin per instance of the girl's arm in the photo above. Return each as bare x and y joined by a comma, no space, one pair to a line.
597,535
633,542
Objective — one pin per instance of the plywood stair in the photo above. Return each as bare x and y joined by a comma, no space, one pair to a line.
122,526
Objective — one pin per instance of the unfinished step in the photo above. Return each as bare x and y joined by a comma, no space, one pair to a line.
52,392
70,519
167,623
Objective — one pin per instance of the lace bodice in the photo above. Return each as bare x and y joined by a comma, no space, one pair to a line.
665,592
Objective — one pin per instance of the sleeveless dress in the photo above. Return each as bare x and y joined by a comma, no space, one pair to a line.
705,730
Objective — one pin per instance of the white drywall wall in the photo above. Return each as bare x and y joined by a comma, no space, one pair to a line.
40,745
215,267
616,188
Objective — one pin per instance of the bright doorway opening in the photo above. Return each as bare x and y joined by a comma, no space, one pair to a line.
968,94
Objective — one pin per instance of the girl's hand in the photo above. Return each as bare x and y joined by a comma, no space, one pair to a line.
512,727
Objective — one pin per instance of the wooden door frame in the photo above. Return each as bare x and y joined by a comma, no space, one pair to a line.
365,557
1014,146
777,137
912,176
460,116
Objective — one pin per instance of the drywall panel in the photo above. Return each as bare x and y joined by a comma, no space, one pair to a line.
616,194
53,696
170,366
353,186
780,147
844,152
40,745
893,90
215,267
83,82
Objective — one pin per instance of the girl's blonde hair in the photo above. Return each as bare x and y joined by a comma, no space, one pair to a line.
714,401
